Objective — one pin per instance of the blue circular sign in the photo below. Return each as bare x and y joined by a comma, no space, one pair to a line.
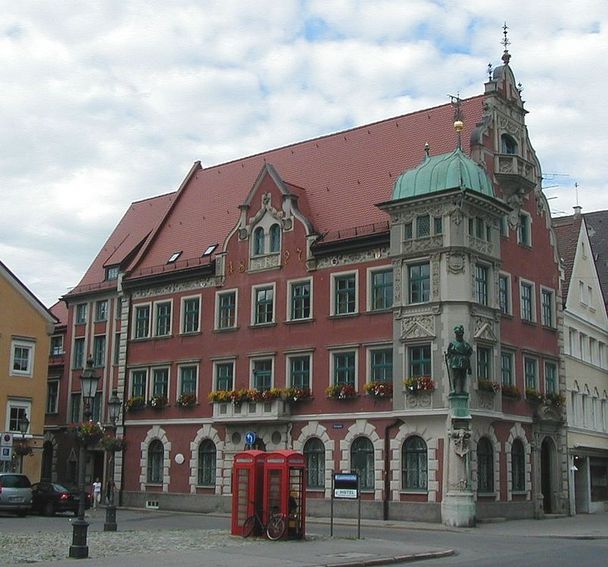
250,437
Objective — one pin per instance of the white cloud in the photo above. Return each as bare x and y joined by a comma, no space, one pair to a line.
104,103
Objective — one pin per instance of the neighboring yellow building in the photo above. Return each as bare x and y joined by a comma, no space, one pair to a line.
25,329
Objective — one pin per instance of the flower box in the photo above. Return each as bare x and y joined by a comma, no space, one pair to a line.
488,386
555,399
341,392
379,390
534,396
186,401
135,403
157,402
417,384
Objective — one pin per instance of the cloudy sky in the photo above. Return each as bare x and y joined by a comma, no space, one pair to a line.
104,102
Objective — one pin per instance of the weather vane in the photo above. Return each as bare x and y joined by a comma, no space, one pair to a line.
506,56
458,115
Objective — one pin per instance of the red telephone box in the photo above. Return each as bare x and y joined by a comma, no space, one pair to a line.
285,489
247,487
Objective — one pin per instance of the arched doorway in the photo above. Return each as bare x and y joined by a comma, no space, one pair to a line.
547,472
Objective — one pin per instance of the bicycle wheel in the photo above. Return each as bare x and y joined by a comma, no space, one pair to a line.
276,527
249,526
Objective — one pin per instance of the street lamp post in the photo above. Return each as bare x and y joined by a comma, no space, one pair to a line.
24,424
88,387
114,404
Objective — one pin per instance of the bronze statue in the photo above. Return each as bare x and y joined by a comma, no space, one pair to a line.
458,358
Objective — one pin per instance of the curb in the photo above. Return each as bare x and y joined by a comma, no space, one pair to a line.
408,558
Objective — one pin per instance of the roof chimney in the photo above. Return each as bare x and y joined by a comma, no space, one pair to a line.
577,211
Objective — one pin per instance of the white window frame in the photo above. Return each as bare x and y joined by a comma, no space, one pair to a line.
370,275
507,277
151,379
134,320
147,385
55,409
85,309
551,323
101,314
532,285
30,345
487,269
406,279
61,348
18,403
299,354
341,350
182,321
220,361
219,294
195,364
155,317
288,310
257,358
254,305
336,275
368,361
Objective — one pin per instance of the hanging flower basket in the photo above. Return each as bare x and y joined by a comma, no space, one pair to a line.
379,390
341,392
157,402
136,403
417,384
186,401
112,444
488,386
88,432
22,449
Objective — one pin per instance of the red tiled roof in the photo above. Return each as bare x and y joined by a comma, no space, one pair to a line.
567,230
131,232
343,176
60,311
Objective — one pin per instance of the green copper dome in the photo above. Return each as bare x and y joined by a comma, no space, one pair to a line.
439,173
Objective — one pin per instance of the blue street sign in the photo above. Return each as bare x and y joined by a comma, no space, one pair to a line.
250,437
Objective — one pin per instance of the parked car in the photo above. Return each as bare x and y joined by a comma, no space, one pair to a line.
48,498
15,493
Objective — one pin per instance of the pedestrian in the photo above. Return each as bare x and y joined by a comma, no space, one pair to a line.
96,493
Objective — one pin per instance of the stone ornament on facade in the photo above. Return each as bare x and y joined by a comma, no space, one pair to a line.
417,327
354,258
177,287
456,262
461,439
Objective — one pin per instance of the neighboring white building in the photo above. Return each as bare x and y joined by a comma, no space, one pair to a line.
586,366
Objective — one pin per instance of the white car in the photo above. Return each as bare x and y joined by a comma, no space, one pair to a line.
15,493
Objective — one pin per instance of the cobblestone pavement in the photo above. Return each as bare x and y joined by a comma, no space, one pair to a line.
32,548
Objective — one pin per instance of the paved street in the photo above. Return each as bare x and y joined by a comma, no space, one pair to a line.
157,538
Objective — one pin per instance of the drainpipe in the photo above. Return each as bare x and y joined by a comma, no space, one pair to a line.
387,466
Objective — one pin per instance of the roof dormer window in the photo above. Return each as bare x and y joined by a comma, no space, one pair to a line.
210,249
174,257
258,241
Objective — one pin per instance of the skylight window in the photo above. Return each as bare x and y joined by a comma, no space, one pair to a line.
210,249
174,257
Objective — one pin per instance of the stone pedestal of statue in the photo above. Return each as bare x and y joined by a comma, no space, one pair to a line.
458,506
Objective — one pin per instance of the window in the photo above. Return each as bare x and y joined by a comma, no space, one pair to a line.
484,357
52,396
210,249
504,226
57,345
163,318
226,310
78,356
138,383
187,379
263,305
550,378
160,382
173,258
524,233
142,321
17,413
191,308
299,371
81,313
547,307
423,226
206,463
262,374
504,294
485,466
314,455
508,145
96,407
116,357
118,304
101,310
481,284
414,472
224,375
419,278
531,373
300,300
258,241
527,301
362,462
345,294
74,408
381,365
112,273
506,369
275,239
22,358
99,351
479,225
344,369
438,225
381,289
420,361
407,231
156,457
518,466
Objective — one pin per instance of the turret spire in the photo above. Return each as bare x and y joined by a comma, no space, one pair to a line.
506,56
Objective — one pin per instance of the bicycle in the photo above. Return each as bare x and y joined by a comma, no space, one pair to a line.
275,528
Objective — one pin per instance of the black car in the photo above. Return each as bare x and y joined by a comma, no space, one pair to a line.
48,498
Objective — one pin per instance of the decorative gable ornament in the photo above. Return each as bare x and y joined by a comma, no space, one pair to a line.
484,331
417,328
